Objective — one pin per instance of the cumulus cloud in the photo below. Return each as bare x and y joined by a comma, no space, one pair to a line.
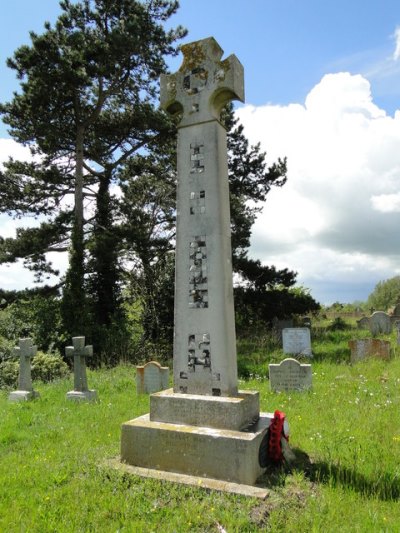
336,218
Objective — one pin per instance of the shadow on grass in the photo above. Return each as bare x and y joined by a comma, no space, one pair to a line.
385,487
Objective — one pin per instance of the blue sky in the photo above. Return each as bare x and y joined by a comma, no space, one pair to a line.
322,83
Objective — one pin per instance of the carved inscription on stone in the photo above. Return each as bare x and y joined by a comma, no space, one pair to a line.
198,288
199,354
196,158
197,203
290,375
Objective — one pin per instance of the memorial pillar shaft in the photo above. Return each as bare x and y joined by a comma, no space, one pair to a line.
204,337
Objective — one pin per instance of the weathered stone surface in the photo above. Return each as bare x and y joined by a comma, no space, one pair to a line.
205,339
199,451
220,412
152,377
363,323
397,326
79,352
364,348
296,341
380,322
26,350
290,375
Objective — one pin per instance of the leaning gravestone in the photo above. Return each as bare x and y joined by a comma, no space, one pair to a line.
152,377
196,428
361,349
79,352
290,375
296,341
380,322
26,350
363,323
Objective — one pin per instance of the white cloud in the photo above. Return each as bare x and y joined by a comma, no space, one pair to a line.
335,221
396,53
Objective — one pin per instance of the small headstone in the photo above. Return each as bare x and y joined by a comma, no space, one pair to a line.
396,310
290,375
79,352
380,322
306,322
152,377
26,350
363,323
364,348
296,341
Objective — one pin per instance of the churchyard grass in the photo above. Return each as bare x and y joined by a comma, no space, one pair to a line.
345,431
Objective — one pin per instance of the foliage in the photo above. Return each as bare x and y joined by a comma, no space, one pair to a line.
48,367
338,324
85,106
385,294
9,371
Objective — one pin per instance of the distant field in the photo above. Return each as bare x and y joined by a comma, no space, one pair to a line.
346,433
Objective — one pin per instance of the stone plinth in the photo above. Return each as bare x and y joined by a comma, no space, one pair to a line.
85,396
233,413
199,451
23,395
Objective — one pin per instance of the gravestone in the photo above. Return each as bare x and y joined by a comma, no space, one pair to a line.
397,326
290,375
198,427
363,323
152,377
306,322
26,350
361,349
296,341
80,352
380,322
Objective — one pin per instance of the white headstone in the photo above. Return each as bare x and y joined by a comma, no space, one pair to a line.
26,350
204,339
79,352
296,341
152,377
290,375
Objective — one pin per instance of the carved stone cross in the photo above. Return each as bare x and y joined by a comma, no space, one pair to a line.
26,350
204,338
79,352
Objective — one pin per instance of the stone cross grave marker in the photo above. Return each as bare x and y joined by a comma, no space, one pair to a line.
79,352
205,340
361,349
152,377
296,341
290,375
26,350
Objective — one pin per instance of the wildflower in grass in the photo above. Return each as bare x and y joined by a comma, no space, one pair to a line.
396,438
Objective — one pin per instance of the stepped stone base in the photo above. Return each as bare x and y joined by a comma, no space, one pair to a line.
219,412
23,395
225,453
85,396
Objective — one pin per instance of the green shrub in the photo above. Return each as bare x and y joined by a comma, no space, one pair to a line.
47,367
9,374
6,349
338,324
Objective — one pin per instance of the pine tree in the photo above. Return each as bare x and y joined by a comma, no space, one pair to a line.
85,106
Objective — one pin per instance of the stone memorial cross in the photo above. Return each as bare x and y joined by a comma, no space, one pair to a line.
26,350
79,352
204,339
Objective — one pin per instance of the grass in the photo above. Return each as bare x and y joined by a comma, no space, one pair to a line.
346,434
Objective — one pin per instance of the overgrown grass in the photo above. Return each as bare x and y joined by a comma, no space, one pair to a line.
346,433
